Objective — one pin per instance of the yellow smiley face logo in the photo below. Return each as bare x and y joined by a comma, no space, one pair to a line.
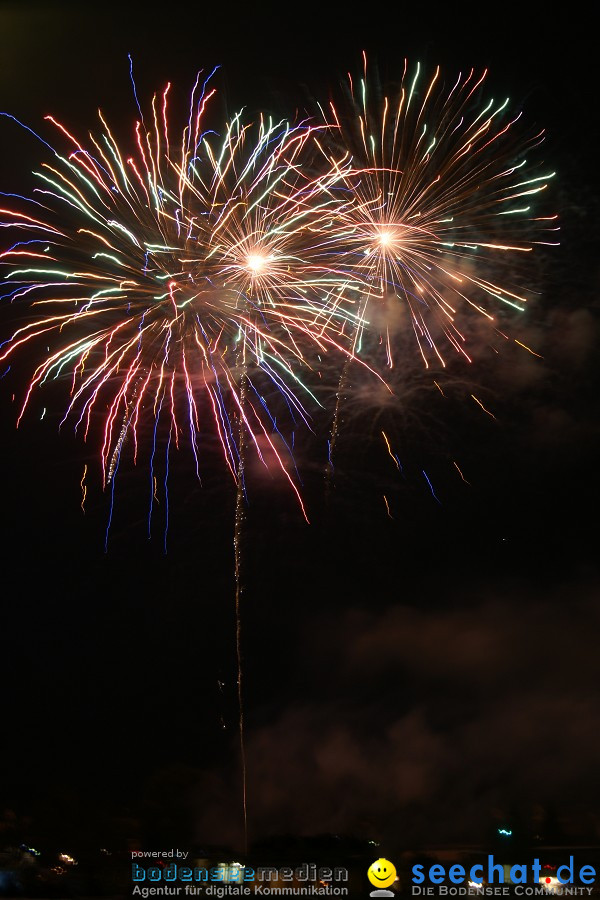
382,873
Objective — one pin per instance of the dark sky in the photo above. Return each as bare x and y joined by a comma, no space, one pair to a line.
411,679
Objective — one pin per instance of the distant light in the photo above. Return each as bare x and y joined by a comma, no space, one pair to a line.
504,832
476,884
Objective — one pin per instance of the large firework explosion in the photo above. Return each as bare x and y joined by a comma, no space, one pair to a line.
156,282
443,202
202,283
442,207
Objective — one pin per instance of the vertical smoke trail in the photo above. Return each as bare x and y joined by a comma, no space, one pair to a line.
239,590
333,435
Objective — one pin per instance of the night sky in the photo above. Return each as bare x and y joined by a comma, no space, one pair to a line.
413,679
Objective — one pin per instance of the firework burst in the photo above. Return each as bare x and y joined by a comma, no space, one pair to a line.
202,282
157,280
443,203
